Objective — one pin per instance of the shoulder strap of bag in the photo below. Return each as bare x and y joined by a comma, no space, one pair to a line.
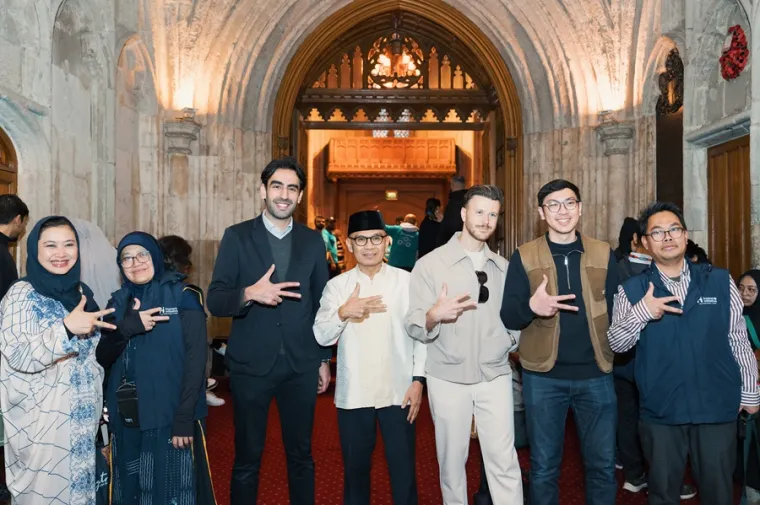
752,332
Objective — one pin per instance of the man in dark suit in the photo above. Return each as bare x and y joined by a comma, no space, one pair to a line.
269,276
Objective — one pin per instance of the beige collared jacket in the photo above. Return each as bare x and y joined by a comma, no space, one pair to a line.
476,346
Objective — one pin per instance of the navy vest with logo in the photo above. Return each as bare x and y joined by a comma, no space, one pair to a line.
685,370
159,360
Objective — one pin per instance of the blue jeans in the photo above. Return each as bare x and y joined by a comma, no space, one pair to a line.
595,408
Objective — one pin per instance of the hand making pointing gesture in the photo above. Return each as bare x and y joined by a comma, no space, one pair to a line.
657,307
149,317
448,310
80,322
266,293
358,308
545,305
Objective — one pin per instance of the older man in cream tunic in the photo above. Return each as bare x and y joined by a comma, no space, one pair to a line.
380,368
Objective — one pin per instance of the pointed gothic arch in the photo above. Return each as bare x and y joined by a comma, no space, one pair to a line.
468,34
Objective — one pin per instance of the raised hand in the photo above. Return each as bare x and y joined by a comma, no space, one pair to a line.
545,305
448,310
149,317
266,293
80,322
359,308
657,307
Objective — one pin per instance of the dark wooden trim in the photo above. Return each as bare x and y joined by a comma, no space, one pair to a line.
356,125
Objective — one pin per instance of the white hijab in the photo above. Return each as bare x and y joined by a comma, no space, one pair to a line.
100,270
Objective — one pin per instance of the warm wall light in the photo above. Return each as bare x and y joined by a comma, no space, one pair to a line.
391,194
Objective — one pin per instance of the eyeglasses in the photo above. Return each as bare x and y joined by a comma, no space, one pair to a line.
659,235
748,289
361,240
482,279
141,257
554,205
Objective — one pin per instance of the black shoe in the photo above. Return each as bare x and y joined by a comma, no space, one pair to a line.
636,485
688,492
5,495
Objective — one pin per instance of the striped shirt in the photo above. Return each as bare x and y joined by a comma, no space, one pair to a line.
628,321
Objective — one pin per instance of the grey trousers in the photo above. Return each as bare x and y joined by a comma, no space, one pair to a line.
712,448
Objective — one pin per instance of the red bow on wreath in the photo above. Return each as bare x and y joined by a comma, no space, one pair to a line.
734,59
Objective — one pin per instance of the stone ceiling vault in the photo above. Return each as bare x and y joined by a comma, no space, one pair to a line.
569,59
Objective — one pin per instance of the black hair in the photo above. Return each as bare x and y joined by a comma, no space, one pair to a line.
655,208
627,231
431,206
485,190
693,249
557,185
459,179
55,222
288,163
10,207
177,253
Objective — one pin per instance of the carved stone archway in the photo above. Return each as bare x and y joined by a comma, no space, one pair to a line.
468,34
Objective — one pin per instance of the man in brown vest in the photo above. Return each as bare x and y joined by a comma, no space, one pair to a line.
559,291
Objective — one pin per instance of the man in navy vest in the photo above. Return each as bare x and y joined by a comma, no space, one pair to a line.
694,367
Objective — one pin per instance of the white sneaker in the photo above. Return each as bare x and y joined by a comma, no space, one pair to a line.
214,400
211,384
222,350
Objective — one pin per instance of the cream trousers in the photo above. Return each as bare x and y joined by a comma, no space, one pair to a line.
452,406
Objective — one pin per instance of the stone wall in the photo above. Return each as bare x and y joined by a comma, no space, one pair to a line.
91,84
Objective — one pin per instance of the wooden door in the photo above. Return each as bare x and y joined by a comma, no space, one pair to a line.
8,173
728,206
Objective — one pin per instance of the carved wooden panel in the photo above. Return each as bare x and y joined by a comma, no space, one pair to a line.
360,157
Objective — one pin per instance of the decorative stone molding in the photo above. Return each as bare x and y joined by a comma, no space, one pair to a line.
616,137
181,132
728,128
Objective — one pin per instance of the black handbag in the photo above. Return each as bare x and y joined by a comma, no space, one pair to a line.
126,398
126,393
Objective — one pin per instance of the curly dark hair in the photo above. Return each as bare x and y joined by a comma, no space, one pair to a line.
177,253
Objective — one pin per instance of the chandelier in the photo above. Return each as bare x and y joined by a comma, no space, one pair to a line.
395,62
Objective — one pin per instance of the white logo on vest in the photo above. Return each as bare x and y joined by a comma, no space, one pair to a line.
707,300
169,311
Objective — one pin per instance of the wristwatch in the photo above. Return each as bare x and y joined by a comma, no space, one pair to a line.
419,379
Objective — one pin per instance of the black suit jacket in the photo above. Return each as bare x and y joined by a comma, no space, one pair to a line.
259,331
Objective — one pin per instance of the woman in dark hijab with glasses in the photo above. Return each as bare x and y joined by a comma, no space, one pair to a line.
156,386
50,384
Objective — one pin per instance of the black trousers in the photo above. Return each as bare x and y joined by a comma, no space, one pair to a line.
629,443
358,433
712,448
296,397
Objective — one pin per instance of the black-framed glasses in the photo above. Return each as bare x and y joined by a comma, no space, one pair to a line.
482,279
554,205
659,235
361,240
141,257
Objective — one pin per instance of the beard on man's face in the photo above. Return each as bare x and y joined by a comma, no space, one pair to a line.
480,232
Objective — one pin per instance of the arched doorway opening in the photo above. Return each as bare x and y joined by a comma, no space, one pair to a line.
8,172
351,103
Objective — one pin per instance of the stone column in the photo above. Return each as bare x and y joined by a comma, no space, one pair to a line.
180,134
617,139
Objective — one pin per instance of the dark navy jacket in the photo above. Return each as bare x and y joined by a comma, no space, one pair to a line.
159,362
685,370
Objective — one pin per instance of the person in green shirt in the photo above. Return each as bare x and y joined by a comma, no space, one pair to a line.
406,238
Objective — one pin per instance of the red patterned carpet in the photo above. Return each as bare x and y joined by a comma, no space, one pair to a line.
329,465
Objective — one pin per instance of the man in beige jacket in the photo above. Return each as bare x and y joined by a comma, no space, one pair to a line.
455,298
